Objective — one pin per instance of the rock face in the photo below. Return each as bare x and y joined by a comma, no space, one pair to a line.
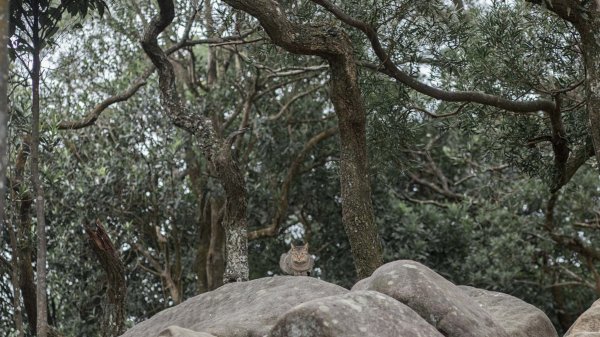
175,331
356,314
434,298
238,309
401,299
588,324
518,318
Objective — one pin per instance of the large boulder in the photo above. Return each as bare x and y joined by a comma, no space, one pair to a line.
356,314
437,300
588,324
243,309
175,331
518,318
402,298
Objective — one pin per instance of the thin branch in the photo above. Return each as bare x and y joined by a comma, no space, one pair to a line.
5,263
435,116
296,97
155,264
578,158
576,277
293,170
587,225
445,192
569,88
575,243
237,42
534,141
424,202
151,271
95,113
569,10
565,284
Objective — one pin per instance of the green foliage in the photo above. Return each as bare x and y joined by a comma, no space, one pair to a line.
481,224
34,23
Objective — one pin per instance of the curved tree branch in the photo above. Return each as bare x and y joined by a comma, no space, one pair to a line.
292,173
388,67
291,101
94,114
551,107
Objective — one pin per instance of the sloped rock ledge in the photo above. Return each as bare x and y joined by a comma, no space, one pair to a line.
588,324
401,299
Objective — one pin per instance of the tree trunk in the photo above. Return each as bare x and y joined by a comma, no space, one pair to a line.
113,321
215,262
234,221
590,41
27,284
202,243
203,208
42,307
4,18
332,44
211,58
24,241
357,209
15,280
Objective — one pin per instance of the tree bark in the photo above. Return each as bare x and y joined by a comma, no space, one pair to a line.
42,306
25,251
357,209
216,150
113,321
202,245
334,45
215,261
590,41
15,280
203,221
211,59
4,19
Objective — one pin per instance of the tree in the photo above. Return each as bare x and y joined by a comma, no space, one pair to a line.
216,150
334,46
460,186
33,23
4,19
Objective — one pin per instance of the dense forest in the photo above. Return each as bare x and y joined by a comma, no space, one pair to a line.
154,150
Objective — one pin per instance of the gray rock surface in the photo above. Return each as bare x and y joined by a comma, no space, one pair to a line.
588,324
518,318
245,309
175,331
356,314
434,298
402,298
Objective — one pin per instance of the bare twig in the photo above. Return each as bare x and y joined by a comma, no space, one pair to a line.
436,116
